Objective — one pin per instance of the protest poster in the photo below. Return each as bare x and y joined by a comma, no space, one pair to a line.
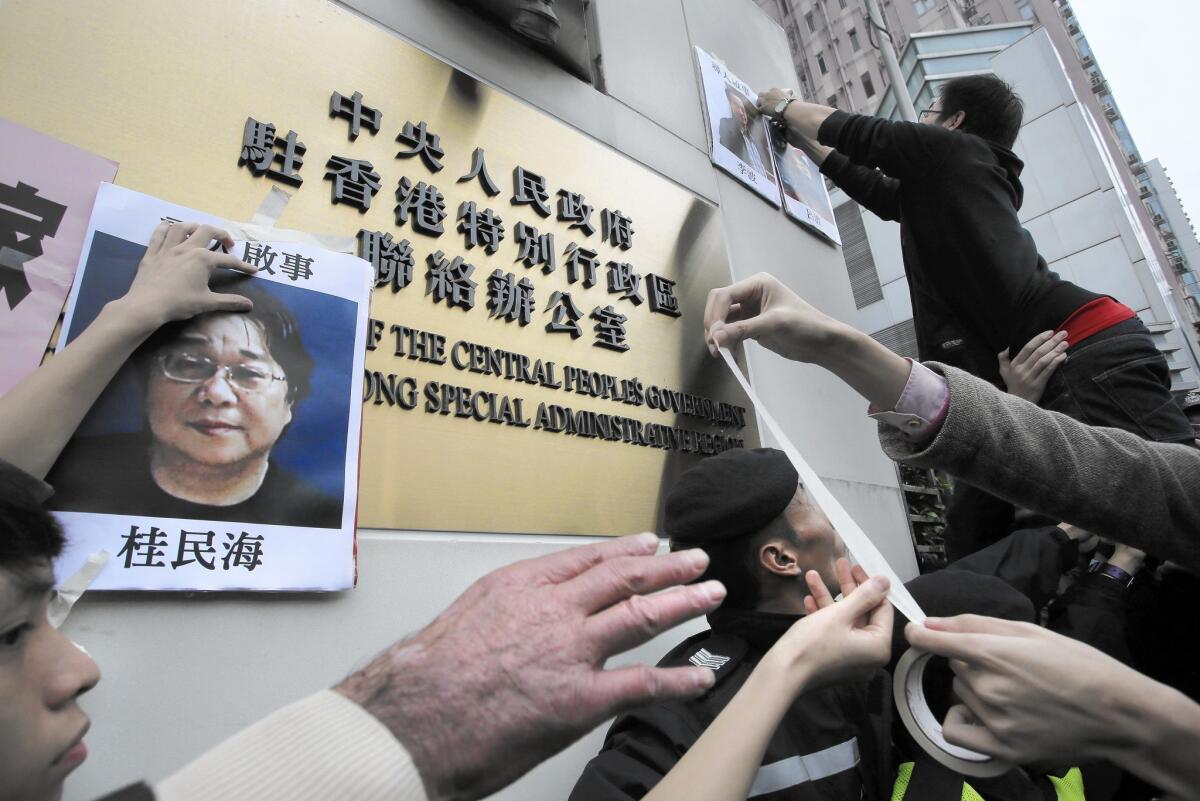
47,188
224,454
805,196
737,131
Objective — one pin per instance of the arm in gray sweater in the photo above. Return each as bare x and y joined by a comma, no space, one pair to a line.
1111,482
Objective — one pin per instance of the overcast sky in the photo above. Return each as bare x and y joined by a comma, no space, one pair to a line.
1149,52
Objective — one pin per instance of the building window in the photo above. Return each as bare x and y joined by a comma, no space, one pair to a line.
831,101
842,4
821,64
1026,11
868,86
856,250
808,20
793,40
923,6
853,35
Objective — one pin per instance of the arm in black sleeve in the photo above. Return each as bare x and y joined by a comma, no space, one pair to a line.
903,150
1030,561
1092,611
871,189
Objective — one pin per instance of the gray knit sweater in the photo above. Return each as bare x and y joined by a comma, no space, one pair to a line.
1108,481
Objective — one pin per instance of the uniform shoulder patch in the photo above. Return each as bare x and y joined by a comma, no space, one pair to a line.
720,653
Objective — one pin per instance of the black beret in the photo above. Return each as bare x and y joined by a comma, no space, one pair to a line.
733,494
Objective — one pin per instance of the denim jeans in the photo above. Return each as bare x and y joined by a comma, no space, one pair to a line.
1119,379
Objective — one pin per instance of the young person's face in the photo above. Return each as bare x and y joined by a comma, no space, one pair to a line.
42,673
935,115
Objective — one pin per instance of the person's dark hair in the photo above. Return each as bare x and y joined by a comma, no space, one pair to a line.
280,332
734,563
992,109
29,534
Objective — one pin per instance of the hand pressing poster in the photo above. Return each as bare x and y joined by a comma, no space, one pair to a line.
224,454
738,132
47,188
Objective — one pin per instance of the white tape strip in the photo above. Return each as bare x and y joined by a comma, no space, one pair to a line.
858,543
261,227
69,591
909,694
271,208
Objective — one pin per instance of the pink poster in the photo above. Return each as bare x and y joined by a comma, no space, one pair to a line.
47,189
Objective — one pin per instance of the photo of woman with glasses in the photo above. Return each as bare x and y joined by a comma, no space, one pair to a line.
220,391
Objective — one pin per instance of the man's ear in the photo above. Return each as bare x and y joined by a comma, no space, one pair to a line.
955,122
779,557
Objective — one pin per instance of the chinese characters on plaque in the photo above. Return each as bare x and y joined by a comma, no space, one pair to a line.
450,277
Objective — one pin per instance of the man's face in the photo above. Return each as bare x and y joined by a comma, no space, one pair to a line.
933,115
739,111
216,421
42,673
819,546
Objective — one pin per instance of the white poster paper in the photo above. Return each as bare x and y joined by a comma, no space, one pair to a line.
805,197
738,132
157,474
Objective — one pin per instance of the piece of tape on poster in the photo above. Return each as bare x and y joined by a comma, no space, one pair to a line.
906,686
261,227
73,587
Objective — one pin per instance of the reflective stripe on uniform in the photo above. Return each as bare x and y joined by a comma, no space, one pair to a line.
1067,788
805,768
1070,786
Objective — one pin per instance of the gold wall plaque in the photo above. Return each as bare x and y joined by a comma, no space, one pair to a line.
169,101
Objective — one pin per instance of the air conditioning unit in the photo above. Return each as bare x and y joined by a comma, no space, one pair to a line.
1158,219
1073,29
1132,158
1110,112
1099,85
1087,62
1146,193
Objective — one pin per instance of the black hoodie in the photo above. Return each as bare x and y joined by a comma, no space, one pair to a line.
973,271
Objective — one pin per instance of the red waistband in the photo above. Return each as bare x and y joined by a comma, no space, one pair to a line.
1094,317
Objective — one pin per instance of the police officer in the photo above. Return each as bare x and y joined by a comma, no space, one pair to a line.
746,508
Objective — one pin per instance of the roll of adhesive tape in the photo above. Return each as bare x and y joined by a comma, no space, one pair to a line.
923,726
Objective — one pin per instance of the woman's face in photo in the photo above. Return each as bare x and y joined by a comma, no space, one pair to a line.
215,394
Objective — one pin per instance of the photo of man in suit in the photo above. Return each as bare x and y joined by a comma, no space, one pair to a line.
743,134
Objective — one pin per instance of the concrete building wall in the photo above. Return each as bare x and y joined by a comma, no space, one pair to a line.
184,671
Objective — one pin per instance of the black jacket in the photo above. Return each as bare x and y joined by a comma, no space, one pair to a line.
972,269
110,474
643,746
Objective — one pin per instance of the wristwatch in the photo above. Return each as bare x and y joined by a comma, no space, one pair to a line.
1113,572
781,107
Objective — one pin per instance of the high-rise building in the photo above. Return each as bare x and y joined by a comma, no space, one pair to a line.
835,46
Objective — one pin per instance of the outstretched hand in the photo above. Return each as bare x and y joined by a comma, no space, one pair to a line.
1027,374
763,309
172,280
1029,696
513,671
